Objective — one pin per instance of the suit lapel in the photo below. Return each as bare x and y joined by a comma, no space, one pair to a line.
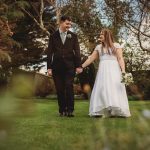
67,39
58,37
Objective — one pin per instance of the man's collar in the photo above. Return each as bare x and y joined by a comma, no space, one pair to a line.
62,31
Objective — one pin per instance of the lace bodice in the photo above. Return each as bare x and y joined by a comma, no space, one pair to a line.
107,56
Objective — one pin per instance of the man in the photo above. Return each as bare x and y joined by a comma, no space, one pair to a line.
63,61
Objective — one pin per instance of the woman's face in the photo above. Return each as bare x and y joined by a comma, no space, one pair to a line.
102,37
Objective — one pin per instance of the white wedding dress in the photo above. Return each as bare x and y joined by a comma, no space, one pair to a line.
108,97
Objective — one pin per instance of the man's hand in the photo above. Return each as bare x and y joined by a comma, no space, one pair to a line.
79,70
11,33
49,72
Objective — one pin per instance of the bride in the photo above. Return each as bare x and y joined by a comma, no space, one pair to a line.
108,98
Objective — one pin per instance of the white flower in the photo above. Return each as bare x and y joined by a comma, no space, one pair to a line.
127,78
69,36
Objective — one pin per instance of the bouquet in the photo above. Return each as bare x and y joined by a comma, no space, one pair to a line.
127,78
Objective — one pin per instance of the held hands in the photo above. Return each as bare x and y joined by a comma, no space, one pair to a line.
49,72
79,70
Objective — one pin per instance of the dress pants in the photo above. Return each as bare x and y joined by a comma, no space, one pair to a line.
63,79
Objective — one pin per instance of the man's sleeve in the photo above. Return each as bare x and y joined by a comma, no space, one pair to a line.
50,53
77,53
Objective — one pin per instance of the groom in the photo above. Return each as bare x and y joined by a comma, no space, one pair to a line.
63,61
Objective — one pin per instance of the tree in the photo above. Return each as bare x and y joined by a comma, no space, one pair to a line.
8,14
129,16
32,24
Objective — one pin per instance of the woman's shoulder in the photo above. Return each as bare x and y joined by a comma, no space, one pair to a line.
117,45
98,47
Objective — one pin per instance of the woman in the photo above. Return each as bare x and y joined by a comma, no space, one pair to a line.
108,98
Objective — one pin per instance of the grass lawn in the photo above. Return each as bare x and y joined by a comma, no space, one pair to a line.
37,126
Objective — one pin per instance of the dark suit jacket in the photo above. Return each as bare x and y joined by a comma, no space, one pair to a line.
59,54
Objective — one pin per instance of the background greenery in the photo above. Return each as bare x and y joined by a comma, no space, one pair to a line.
25,27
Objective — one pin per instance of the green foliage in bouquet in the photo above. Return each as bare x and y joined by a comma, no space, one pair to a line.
127,78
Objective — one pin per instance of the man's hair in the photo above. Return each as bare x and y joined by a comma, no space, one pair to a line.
64,18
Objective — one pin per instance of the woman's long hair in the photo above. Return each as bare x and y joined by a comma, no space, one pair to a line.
108,41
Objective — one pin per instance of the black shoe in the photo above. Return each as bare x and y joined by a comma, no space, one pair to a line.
66,114
70,115
97,116
62,114
118,116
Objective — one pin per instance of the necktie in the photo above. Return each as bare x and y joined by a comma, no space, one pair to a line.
63,37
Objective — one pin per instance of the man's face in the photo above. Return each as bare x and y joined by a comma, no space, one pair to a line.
65,25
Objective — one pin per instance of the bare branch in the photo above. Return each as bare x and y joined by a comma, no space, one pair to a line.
137,29
40,23
41,13
138,35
